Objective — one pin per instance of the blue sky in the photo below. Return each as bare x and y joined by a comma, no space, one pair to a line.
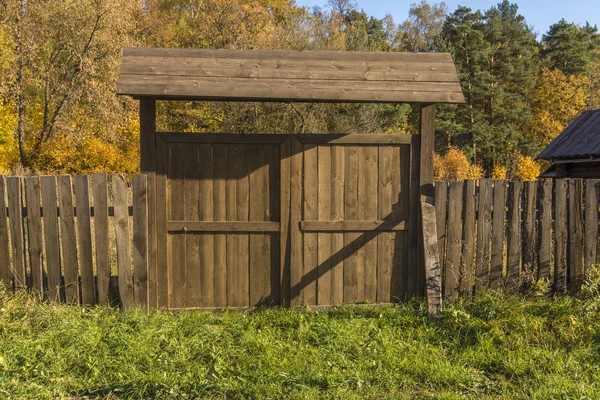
539,13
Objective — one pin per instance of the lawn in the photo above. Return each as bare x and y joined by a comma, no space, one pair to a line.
491,347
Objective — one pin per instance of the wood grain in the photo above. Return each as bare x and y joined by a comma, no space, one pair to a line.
34,232
84,239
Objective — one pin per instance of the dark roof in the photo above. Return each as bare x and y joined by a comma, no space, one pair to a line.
581,139
275,75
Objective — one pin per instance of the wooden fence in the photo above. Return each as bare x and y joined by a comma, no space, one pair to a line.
501,234
62,245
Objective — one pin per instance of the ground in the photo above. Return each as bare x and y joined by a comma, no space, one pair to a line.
491,347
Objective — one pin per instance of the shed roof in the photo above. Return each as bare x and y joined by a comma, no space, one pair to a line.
581,139
301,76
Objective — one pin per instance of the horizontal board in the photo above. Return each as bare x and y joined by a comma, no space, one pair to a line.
219,138
223,226
351,139
353,226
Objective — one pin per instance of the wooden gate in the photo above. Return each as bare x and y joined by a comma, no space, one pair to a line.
253,220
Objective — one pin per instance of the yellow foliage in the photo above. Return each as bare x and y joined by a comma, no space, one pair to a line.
9,149
454,165
499,172
527,169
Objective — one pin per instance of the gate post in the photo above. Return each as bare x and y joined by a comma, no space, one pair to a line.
148,167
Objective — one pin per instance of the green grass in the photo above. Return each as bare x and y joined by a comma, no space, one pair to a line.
492,347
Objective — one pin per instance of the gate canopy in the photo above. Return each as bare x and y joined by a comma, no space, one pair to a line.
286,76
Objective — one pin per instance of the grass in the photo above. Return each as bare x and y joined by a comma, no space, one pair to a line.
491,347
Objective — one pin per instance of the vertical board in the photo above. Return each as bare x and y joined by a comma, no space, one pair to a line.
513,266
259,262
498,234
369,158
413,220
191,203
220,214
431,257
34,232
15,206
560,233
441,206
234,297
242,213
402,190
101,238
272,213
310,214
591,223
140,240
468,251
68,239
177,240
296,240
338,176
484,225
352,280
51,238
545,229
5,274
324,214
162,282
529,236
121,223
284,217
575,249
84,239
205,210
453,245
385,240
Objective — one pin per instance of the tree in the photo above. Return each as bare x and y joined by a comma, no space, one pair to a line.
422,28
570,48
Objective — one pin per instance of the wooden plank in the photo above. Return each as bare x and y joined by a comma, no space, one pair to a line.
484,230
220,214
194,198
258,180
34,232
591,224
51,237
385,201
219,138
84,239
441,206
5,265
149,160
405,193
453,244
296,238
369,171
310,213
338,174
352,279
324,214
162,283
140,240
176,207
468,265
498,234
545,229
234,298
513,265
101,238
15,206
223,226
284,217
242,211
355,139
560,233
410,276
431,257
272,213
121,223
529,235
68,239
353,226
575,249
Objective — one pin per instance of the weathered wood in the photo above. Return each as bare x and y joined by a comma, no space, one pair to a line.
352,279
242,211
5,265
259,261
101,235
272,212
51,237
529,236
162,283
324,214
545,229
338,166
353,226
296,251
140,240
513,265
177,241
68,239
310,212
192,263
355,139
84,239
410,276
233,291
453,245
220,214
575,249
591,223
202,196
34,232
468,265
284,217
385,240
121,223
441,206
498,234
560,233
404,187
431,256
368,170
484,225
15,205
219,138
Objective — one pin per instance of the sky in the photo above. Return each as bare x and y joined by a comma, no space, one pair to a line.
539,13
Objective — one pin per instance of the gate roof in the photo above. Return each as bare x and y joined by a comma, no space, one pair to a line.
298,76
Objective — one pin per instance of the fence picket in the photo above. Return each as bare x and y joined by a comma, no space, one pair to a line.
15,206
529,237
5,274
68,239
140,240
453,242
545,229
484,225
591,223
498,233
441,206
101,238
51,238
121,223
468,250
84,239
575,249
560,229
513,267
34,232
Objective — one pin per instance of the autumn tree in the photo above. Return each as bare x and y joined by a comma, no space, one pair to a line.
422,28
569,47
